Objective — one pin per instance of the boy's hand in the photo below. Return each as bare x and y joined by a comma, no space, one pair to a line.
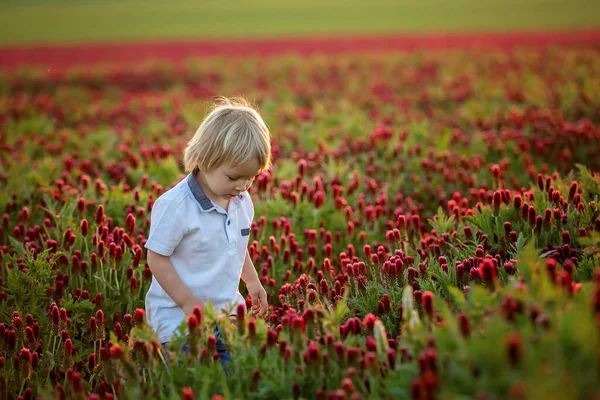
190,303
259,298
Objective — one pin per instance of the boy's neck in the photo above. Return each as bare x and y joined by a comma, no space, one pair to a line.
223,203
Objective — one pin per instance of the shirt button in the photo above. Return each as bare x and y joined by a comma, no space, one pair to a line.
229,222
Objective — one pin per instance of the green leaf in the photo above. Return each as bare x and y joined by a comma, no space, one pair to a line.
587,181
528,257
442,222
458,296
17,245
73,305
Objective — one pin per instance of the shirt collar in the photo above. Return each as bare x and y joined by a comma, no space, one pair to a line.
205,203
199,194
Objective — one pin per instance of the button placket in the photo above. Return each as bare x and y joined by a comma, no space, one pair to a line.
231,227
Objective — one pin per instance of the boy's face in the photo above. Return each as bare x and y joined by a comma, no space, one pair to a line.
228,181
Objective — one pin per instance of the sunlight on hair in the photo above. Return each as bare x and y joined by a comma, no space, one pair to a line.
232,132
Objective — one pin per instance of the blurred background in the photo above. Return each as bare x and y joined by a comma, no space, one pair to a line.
25,22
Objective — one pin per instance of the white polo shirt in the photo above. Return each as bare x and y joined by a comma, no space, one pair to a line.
206,245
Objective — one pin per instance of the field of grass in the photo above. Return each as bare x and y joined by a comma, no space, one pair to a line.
68,21
430,229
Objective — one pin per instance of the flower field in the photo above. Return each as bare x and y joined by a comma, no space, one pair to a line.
430,229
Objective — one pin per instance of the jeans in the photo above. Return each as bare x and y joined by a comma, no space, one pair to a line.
224,355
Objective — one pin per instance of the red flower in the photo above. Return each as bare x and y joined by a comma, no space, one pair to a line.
252,327
468,232
312,354
112,250
192,322
308,316
509,268
81,204
551,268
74,379
97,300
495,169
352,354
25,355
540,182
463,324
402,222
416,222
566,237
514,345
187,393
140,316
126,239
133,283
531,215
387,305
572,190
427,300
84,227
517,201
116,351
68,347
99,215
418,296
24,215
211,343
92,362
52,244
130,224
507,228
548,218
17,231
348,386
302,167
11,339
369,322
487,271
30,335
272,337
412,274
416,389
100,316
118,330
496,201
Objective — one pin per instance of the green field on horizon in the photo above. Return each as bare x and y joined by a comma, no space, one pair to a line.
69,21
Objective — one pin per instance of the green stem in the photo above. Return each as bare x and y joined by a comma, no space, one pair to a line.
22,386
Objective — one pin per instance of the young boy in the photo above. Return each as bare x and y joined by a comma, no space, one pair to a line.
199,229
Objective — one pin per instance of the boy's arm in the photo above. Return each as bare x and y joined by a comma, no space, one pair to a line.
169,280
255,289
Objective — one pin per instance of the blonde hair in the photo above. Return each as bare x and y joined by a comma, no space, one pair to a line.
233,132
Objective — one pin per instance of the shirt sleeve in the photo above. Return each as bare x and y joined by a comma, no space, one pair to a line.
166,228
